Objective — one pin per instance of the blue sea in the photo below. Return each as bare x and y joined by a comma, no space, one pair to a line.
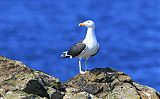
37,31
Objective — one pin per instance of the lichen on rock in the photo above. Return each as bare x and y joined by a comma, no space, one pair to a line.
107,83
17,81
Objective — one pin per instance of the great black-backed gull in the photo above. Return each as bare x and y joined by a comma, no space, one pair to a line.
85,48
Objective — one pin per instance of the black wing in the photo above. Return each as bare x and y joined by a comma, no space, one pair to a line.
76,49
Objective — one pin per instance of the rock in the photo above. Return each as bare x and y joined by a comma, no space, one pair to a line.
18,81
34,87
72,93
21,95
106,83
146,92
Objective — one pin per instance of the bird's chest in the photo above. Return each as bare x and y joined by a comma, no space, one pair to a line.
91,48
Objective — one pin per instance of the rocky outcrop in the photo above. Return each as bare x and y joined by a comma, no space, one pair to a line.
106,83
18,81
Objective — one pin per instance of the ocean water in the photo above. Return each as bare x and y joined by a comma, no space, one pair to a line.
36,32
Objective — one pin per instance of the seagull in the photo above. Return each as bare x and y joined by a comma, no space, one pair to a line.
86,48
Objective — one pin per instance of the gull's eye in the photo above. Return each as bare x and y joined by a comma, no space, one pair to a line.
88,22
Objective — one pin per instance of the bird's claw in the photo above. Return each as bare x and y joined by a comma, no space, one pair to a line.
82,72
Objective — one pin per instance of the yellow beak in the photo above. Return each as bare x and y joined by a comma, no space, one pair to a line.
81,24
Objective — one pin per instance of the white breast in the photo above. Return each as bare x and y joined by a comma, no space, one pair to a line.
91,44
91,49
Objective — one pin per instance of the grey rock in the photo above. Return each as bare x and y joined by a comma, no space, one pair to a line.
21,82
72,93
17,81
34,87
107,83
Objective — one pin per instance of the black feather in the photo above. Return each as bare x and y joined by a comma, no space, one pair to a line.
76,49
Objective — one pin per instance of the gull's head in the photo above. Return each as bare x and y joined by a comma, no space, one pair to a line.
88,24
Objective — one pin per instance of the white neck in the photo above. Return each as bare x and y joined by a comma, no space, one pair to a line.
90,34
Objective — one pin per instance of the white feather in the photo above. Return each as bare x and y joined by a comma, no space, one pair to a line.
92,45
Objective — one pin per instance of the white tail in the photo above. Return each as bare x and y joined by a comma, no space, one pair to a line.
65,55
